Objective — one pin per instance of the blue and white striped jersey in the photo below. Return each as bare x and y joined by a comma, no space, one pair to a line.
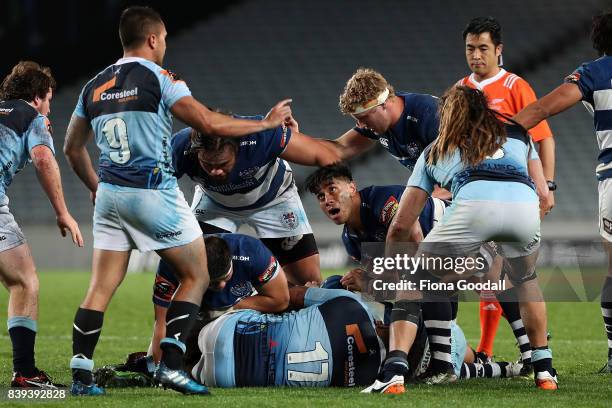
128,106
258,177
595,82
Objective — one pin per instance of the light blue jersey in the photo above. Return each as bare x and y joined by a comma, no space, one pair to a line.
331,342
21,129
128,106
500,177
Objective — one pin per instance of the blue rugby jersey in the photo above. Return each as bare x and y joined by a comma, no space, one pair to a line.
417,128
21,129
378,207
489,180
595,82
253,266
258,177
331,342
128,106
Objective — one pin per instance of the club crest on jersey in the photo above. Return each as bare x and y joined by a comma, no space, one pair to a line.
290,220
241,289
573,77
268,274
388,211
413,150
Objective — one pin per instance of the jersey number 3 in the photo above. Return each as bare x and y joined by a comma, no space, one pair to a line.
318,354
115,131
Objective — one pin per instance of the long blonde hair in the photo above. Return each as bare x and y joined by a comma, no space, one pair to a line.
467,124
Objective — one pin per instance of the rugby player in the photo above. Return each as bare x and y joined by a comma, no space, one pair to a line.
367,214
247,180
25,100
487,198
129,107
507,93
244,274
592,84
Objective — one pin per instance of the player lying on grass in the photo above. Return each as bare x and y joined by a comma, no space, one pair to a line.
335,340
243,275
366,215
247,180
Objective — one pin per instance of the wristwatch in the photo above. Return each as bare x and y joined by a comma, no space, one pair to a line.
552,186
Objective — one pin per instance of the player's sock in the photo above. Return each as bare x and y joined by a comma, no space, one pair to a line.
606,311
437,320
22,331
85,334
508,300
396,363
490,313
489,370
179,320
541,358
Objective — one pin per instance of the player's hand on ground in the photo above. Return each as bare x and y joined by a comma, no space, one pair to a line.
352,279
278,114
66,224
292,124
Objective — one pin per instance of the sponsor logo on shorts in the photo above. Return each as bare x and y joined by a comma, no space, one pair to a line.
7,166
533,243
169,234
389,210
384,141
248,143
242,258
2,237
354,339
290,220
607,225
241,289
268,274
200,212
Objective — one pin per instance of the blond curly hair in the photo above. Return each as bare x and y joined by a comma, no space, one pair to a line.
365,84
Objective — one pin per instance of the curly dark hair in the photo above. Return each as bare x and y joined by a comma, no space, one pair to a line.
325,174
481,25
601,33
26,81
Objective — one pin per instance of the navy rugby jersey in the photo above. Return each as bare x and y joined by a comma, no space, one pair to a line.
258,177
595,82
21,129
378,207
128,106
253,266
417,128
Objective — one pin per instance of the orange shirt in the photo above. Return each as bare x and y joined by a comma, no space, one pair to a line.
508,94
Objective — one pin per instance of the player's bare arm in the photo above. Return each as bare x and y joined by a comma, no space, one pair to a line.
547,156
560,99
198,116
405,225
272,297
536,172
48,174
308,151
351,144
75,148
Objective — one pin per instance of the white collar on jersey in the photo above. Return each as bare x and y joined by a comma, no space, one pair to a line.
125,60
480,85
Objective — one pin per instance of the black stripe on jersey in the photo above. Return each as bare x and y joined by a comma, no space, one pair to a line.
17,115
141,91
350,329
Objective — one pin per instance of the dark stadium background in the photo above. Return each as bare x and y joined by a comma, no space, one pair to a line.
243,56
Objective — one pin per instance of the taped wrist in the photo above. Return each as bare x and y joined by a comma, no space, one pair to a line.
406,310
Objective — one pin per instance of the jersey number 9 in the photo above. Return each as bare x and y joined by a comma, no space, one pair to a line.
115,131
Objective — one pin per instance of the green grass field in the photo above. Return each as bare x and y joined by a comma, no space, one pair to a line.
578,345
